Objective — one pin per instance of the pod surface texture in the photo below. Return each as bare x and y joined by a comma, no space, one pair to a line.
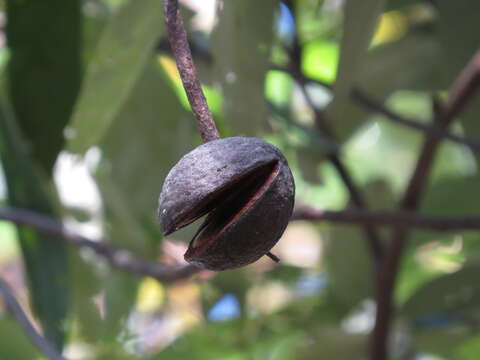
247,189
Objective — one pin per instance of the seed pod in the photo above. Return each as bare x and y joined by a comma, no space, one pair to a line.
247,189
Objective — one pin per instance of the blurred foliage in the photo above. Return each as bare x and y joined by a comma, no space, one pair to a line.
45,259
90,85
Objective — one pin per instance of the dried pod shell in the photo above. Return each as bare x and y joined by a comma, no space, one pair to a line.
247,189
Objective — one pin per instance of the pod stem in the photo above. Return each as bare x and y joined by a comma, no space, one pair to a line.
274,257
177,36
16,310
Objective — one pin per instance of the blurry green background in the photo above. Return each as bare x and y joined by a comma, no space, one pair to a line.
93,115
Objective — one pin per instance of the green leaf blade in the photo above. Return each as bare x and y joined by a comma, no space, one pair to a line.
122,52
44,71
45,258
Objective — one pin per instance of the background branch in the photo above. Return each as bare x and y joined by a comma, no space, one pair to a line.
295,53
16,310
117,258
432,130
368,102
379,218
462,90
177,36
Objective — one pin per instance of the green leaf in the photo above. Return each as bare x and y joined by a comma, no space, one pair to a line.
410,63
413,274
320,60
44,73
45,258
452,293
360,21
457,30
457,22
442,311
442,342
13,343
234,340
122,52
400,4
87,285
148,136
349,267
333,344
44,39
470,349
439,199
241,48
278,88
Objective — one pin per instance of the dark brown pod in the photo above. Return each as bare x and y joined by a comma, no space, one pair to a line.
247,189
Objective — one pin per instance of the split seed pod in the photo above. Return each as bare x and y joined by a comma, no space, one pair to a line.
246,188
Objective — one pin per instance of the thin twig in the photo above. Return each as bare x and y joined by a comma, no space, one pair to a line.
433,130
295,53
382,218
365,100
177,37
274,257
16,310
460,93
117,258
371,235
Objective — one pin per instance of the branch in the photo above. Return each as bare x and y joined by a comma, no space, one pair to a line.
357,199
177,37
16,310
117,258
363,99
432,130
461,92
295,54
378,218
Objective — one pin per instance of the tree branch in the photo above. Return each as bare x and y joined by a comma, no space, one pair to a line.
117,258
371,235
177,37
365,100
295,53
16,310
381,218
461,92
432,130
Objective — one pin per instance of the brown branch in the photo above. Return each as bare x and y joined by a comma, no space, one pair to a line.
177,37
273,257
295,53
365,100
432,130
371,235
16,310
382,218
117,258
461,92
